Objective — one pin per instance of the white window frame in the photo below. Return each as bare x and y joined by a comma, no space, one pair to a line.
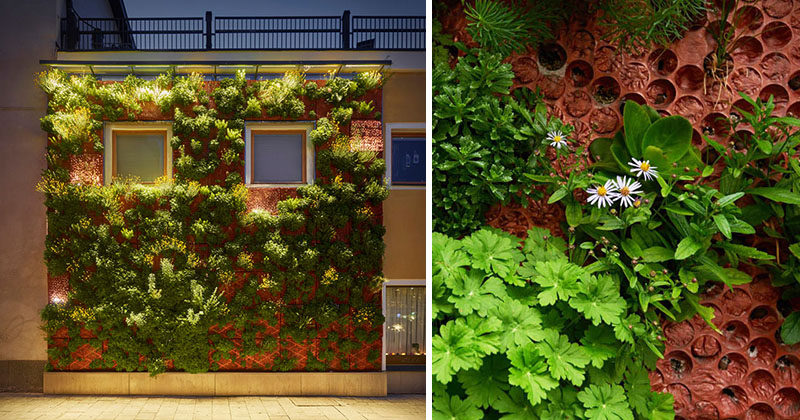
306,126
108,149
387,141
399,282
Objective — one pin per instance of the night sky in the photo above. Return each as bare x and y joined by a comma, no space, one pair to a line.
192,8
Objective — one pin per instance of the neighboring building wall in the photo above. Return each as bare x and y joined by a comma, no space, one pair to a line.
28,32
404,210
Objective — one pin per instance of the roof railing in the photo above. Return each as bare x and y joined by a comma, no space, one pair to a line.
404,33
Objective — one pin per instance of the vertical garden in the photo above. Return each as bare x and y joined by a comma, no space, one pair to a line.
616,209
198,272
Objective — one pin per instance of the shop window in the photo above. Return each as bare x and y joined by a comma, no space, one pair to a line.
405,325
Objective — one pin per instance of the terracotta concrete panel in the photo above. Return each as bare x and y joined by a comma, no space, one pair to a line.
110,383
172,383
404,98
404,218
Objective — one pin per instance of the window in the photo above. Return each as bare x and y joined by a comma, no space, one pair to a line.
137,151
278,154
404,336
405,155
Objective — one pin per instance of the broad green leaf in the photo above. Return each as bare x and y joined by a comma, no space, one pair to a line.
722,224
605,402
687,247
672,135
493,252
599,344
521,324
472,294
705,312
781,195
452,407
631,248
657,254
636,122
514,405
795,249
620,153
448,258
529,372
565,360
599,300
454,349
558,279
488,384
659,159
562,404
790,330
573,214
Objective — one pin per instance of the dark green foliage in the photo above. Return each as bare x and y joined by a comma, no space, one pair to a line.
636,25
500,28
484,141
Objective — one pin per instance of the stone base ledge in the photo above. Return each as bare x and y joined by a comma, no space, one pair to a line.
345,384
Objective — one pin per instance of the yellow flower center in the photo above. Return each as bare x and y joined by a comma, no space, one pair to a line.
644,166
637,203
557,139
601,191
624,191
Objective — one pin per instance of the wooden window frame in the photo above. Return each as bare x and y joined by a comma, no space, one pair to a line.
303,145
406,134
124,131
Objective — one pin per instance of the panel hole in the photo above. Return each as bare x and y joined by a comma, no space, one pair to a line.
552,56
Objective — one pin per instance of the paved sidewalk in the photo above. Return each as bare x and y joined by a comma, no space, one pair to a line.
38,406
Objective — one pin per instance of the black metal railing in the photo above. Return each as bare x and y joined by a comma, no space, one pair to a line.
243,33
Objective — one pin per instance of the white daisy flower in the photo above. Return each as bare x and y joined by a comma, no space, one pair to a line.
557,139
643,168
601,195
625,189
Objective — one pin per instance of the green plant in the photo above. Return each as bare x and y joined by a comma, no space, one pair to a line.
179,274
501,29
545,339
484,141
654,22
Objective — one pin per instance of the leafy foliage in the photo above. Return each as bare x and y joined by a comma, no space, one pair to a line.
180,275
502,29
551,355
654,22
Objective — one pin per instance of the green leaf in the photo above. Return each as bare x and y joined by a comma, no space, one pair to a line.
514,405
605,402
781,195
790,330
599,300
529,372
557,195
746,251
672,135
722,224
730,198
448,258
521,324
558,279
657,254
492,252
636,122
454,349
632,248
620,153
452,407
565,360
487,385
471,293
599,344
795,249
687,247
705,312
574,214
